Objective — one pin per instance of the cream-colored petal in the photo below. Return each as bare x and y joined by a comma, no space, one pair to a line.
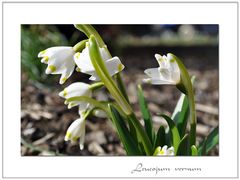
104,53
76,89
114,65
152,72
158,81
82,140
83,61
170,151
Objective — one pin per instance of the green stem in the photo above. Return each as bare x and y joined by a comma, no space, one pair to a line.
188,90
80,46
141,134
89,30
96,86
121,86
105,77
89,100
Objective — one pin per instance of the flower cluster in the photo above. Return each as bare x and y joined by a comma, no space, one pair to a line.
62,60
92,57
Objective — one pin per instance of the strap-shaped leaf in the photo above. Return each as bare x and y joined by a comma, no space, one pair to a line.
194,151
211,141
146,115
181,112
160,138
183,148
123,132
174,131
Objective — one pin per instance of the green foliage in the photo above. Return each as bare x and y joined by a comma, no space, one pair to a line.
146,115
128,142
35,38
209,143
160,138
181,112
183,148
173,131
194,151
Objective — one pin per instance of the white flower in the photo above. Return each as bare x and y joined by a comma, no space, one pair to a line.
164,151
74,90
168,71
76,130
84,63
59,61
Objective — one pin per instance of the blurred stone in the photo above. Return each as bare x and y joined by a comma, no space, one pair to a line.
23,151
96,136
49,100
120,151
23,114
131,89
95,149
29,132
46,153
153,108
202,130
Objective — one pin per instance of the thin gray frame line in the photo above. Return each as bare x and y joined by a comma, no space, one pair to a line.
235,2
2,86
119,177
122,2
237,88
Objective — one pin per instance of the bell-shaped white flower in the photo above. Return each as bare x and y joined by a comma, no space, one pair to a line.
76,130
59,60
84,63
164,151
168,71
74,90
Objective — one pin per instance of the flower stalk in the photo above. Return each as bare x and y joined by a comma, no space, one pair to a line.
80,46
105,77
188,90
89,30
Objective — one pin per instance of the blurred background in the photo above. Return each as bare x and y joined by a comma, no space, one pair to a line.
45,118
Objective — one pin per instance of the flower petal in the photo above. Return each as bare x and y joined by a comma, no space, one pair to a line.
152,72
76,89
157,81
82,140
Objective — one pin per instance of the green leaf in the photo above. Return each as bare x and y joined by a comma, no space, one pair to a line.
194,150
183,148
174,132
121,86
203,148
129,144
146,115
161,138
142,135
181,112
210,142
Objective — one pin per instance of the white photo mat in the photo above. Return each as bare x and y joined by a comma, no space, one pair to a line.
224,14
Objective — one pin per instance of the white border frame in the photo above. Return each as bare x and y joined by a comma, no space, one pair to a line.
16,13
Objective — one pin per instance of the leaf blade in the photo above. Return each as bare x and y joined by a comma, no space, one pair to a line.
174,131
160,138
209,143
122,130
146,115
183,148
